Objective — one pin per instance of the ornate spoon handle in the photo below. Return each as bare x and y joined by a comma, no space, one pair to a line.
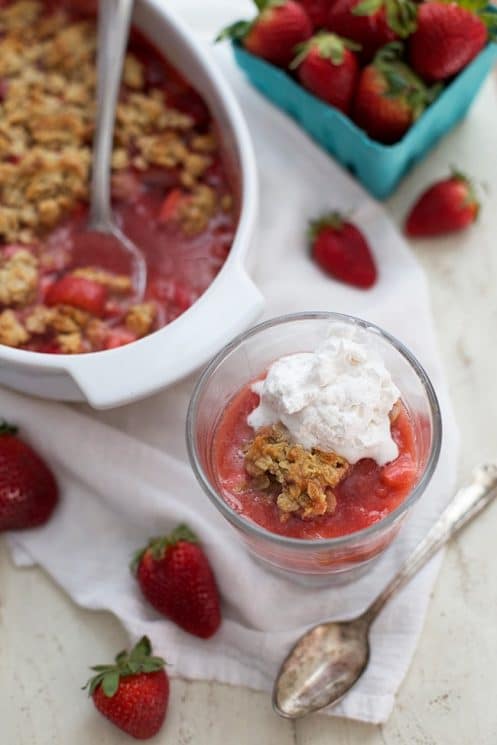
466,504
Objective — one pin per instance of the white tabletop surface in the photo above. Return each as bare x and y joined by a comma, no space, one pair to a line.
448,698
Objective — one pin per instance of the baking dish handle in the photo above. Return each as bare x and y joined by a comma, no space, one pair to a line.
119,376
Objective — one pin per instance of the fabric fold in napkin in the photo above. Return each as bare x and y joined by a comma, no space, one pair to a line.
124,474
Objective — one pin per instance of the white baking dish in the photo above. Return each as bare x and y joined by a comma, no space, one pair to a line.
229,305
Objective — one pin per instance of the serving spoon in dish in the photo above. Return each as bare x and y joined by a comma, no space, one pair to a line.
101,242
330,658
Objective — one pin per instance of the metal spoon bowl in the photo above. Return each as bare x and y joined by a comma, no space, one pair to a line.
330,658
102,242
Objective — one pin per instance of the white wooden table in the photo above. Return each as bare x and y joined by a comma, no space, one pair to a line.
47,643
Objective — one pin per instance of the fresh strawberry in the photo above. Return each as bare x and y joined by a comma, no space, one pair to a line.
327,66
318,11
275,32
79,292
390,97
445,207
176,578
447,38
28,490
342,251
372,23
133,693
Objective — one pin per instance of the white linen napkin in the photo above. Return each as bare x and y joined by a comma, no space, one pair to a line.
124,475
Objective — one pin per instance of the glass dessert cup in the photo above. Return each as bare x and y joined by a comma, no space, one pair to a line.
327,561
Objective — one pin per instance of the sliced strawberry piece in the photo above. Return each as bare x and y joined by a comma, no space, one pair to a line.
400,473
119,337
78,292
169,211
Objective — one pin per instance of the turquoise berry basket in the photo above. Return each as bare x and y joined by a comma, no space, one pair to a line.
378,167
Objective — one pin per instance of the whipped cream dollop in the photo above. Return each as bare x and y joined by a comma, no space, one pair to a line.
337,398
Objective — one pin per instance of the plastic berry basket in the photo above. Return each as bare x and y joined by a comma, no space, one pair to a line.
378,167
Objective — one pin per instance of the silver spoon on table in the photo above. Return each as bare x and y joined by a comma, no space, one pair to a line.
330,658
102,242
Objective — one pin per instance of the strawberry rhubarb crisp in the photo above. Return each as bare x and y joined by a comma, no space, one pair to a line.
321,446
170,190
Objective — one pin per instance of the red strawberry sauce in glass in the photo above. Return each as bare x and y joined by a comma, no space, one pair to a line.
366,495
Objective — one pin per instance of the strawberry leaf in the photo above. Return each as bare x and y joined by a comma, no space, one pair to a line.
402,82
263,5
110,683
7,429
237,31
182,533
490,21
367,7
475,6
139,660
334,220
328,45
402,16
142,649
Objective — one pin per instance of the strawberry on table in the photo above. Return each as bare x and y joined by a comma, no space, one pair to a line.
372,23
445,207
79,292
327,66
342,251
448,36
275,32
390,96
28,490
176,578
133,692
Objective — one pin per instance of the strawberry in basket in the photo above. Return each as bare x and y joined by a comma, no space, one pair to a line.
275,32
447,38
372,23
390,96
328,67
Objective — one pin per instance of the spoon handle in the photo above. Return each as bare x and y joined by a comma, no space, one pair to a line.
466,504
113,31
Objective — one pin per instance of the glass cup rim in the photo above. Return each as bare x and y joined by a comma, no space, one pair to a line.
257,530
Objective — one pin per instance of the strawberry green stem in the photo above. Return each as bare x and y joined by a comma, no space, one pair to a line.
330,46
7,429
334,220
139,660
158,546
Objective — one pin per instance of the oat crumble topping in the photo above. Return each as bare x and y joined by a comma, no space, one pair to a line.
140,318
120,283
12,332
46,121
196,211
307,477
18,278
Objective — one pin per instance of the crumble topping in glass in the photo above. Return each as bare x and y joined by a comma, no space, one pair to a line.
306,476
